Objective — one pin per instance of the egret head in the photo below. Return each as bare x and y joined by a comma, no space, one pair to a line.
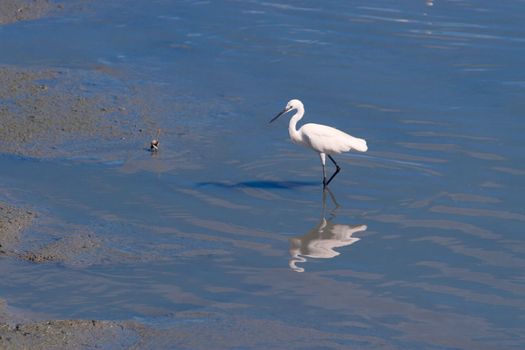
292,104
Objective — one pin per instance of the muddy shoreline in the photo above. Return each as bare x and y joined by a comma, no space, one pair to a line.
52,113
22,10
20,329
56,113
59,113
63,334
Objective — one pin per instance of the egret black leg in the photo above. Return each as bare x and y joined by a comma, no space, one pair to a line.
337,170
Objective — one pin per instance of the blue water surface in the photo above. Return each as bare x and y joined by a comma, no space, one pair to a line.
423,247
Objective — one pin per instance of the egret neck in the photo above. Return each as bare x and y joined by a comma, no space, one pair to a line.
294,134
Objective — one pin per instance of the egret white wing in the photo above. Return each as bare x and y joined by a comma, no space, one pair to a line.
329,140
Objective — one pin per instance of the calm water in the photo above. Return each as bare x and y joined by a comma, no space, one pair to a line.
426,248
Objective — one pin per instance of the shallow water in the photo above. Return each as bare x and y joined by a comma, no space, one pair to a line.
226,215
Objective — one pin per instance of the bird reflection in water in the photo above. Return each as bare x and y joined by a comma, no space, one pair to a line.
321,241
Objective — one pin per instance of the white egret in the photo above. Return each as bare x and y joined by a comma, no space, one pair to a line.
321,138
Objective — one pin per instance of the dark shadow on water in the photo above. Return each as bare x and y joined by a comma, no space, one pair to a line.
287,185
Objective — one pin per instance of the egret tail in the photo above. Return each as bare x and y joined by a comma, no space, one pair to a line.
359,145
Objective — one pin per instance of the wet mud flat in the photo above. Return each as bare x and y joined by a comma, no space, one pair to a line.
20,10
44,110
55,112
64,334
51,112
20,329
198,330
12,11
98,114
13,220
16,332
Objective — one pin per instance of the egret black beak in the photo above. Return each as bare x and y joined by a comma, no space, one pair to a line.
280,114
